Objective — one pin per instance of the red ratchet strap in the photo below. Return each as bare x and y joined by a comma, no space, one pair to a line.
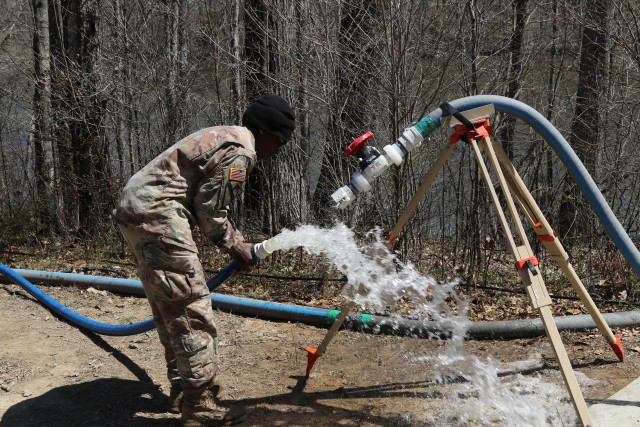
547,237
527,262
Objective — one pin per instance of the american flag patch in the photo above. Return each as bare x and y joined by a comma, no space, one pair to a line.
237,174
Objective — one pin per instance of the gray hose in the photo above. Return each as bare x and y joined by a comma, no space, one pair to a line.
321,317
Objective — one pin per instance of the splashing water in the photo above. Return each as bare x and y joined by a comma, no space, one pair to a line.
376,278
378,281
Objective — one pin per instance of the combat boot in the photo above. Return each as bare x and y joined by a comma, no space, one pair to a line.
175,399
201,408
176,396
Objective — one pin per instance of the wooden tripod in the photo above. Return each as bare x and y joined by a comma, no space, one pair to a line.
526,264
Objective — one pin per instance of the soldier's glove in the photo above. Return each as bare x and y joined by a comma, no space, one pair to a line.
242,254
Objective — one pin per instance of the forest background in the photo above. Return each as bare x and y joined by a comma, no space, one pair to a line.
92,90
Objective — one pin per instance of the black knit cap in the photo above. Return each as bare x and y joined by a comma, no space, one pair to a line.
272,114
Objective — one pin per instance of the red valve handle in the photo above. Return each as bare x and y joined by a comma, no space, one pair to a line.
357,144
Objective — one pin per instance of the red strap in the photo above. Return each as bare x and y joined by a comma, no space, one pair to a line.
520,264
548,238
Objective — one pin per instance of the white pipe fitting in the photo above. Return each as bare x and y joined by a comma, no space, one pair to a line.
393,155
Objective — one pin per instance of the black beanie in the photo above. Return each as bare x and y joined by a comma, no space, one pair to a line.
272,114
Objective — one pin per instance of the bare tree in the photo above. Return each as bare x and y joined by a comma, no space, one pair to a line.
587,127
514,77
85,178
42,123
177,63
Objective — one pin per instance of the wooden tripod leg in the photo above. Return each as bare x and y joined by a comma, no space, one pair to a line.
557,252
565,367
527,268
417,198
312,353
344,312
540,300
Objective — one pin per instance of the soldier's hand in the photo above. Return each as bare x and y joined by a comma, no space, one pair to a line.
243,256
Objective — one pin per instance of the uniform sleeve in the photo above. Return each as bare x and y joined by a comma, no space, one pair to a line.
213,197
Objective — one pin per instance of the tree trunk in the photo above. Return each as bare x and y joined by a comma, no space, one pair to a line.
552,91
42,129
308,162
85,171
237,86
472,226
587,126
515,72
177,63
256,25
255,46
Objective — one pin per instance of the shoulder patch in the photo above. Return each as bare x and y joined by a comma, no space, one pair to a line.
237,174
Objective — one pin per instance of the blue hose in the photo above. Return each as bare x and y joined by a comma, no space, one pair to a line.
320,317
73,317
92,325
573,164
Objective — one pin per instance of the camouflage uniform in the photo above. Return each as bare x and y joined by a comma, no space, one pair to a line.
192,182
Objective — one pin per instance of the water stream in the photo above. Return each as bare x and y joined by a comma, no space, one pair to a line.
480,391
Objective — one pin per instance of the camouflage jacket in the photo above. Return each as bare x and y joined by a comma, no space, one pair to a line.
192,182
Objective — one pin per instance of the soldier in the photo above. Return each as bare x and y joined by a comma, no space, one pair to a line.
192,183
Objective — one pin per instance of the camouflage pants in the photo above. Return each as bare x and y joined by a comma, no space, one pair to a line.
175,286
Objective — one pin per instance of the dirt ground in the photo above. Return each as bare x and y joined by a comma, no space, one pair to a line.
53,374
